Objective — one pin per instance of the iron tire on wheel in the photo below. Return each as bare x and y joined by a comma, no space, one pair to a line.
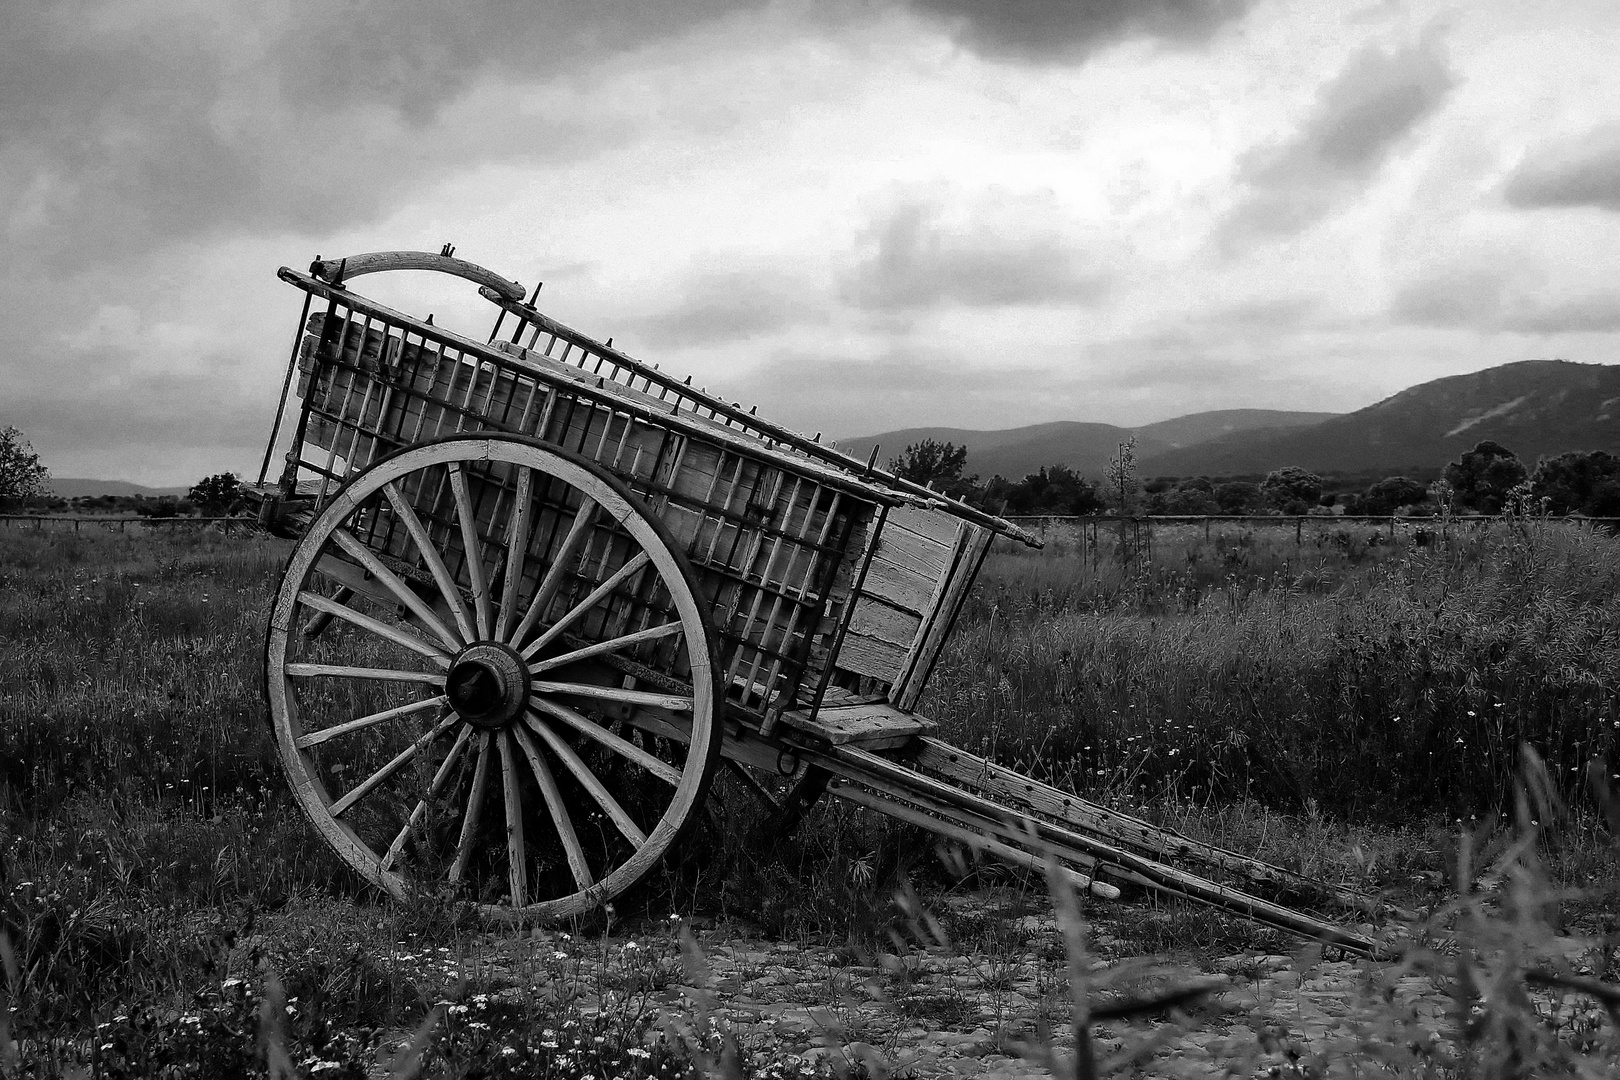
533,742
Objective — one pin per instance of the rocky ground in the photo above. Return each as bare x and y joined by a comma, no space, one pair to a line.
927,1009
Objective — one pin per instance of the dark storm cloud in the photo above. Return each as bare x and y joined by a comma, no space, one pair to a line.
1361,117
124,126
1581,172
912,261
1057,31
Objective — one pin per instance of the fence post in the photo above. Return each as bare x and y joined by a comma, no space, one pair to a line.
1299,531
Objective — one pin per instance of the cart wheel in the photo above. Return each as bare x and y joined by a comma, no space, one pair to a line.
529,728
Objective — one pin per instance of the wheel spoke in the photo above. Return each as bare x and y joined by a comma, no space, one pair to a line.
517,872
619,577
435,561
417,814
315,738
469,542
652,633
432,678
660,768
578,532
316,624
672,702
588,779
475,810
369,784
517,545
559,812
376,626
364,556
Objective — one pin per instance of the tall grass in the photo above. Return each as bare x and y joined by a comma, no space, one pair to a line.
147,841
1362,678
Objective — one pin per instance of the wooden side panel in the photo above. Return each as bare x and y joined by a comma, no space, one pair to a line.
971,545
912,560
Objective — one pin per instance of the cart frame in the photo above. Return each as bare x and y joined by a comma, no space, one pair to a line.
621,580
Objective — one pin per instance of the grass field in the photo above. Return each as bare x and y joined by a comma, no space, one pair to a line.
1335,705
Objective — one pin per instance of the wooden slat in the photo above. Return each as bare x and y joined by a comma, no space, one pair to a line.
873,725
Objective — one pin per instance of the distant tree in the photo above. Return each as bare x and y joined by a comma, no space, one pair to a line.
1481,479
165,506
217,496
1121,475
1238,497
1186,500
1291,489
930,462
22,477
1392,493
1577,483
1057,489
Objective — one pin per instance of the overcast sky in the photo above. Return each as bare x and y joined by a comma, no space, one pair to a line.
858,215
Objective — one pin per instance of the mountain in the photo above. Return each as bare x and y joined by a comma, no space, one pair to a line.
74,488
1014,452
1086,448
1201,427
1533,407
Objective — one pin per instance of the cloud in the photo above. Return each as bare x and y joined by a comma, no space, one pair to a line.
1579,172
1063,31
1458,297
1595,313
722,306
1495,299
1360,119
126,126
1002,252
903,388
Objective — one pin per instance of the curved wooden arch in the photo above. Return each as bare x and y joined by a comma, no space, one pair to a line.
376,261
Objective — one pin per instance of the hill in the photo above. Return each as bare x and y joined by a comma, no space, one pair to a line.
1086,448
1201,427
77,487
1533,407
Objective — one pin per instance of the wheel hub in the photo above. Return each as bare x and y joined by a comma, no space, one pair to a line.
488,685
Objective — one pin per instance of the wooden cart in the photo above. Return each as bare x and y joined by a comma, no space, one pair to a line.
541,591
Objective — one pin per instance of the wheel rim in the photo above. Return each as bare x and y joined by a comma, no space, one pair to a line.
529,729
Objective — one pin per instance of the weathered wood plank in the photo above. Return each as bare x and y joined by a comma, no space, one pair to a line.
876,619
1023,793
874,725
971,545
911,552
900,586
929,524
870,656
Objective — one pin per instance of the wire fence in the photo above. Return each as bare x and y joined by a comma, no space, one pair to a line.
120,524
1134,536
